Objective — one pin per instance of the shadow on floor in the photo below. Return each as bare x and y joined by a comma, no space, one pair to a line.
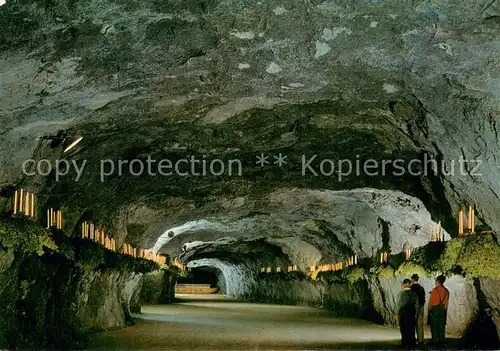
452,344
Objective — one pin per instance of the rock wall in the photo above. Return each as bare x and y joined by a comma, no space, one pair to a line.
103,300
463,307
48,301
343,299
239,278
490,290
351,300
158,288
276,288
375,298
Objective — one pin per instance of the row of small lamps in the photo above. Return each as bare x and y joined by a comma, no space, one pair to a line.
91,232
277,269
334,267
178,264
25,205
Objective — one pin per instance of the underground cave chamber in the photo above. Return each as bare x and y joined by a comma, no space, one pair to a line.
231,175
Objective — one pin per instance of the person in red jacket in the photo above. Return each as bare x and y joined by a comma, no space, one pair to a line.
438,308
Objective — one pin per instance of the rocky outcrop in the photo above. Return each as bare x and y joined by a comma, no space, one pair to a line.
60,288
288,289
464,306
158,287
351,300
277,85
238,78
490,291
48,301
308,225
239,278
103,300
235,80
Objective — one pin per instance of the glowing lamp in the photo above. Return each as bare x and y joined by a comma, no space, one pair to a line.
73,144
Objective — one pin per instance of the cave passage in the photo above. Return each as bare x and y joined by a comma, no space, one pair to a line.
200,276
214,322
236,174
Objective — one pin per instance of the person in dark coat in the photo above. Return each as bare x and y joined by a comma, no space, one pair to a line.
407,315
438,310
420,292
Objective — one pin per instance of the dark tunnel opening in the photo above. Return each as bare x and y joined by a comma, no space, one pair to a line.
203,275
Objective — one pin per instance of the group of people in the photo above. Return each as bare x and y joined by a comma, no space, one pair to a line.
411,312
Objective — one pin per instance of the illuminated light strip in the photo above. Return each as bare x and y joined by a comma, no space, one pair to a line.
384,257
54,218
473,219
60,220
469,219
33,205
27,204
92,232
438,232
460,222
333,267
24,203
15,202
73,144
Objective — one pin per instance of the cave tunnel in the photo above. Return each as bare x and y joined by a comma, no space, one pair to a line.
207,275
222,174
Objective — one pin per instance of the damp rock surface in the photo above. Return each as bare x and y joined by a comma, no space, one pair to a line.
232,80
283,94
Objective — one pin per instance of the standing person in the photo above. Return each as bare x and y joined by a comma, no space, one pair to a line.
438,308
420,293
407,314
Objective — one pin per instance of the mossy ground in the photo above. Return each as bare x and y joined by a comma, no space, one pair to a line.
409,268
354,274
383,271
331,277
350,275
475,257
428,256
90,255
25,236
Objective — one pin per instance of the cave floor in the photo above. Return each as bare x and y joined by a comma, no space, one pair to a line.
214,322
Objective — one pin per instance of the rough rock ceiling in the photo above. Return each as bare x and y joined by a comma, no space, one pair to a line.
233,79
